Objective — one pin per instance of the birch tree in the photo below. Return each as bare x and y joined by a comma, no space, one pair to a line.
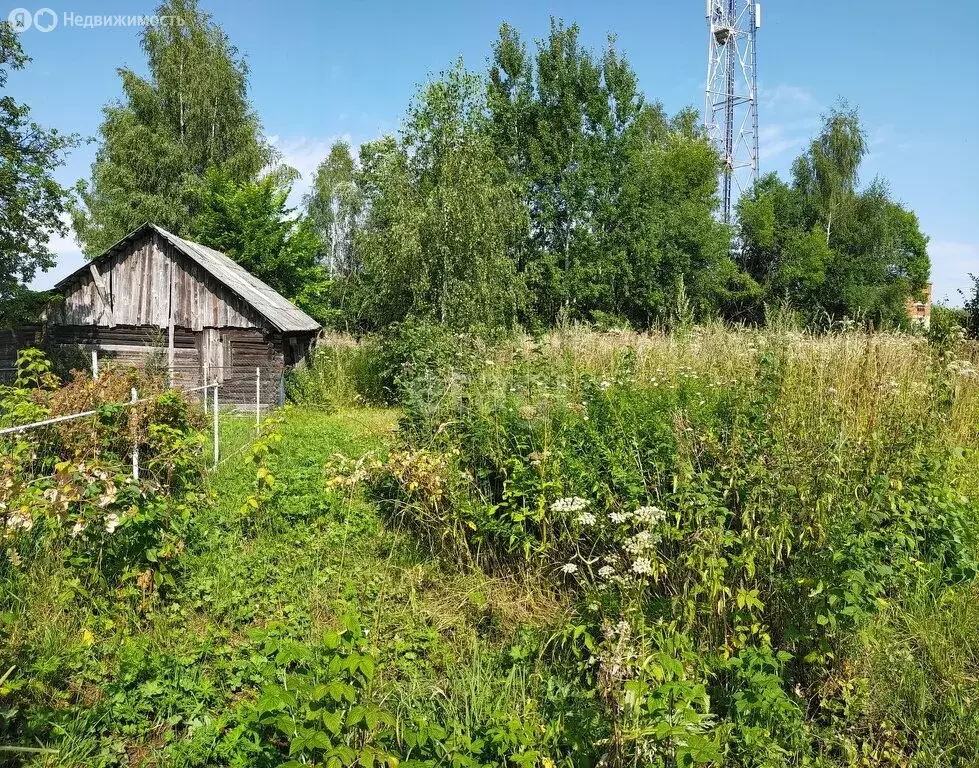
190,114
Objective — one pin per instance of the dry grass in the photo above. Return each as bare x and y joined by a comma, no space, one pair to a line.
862,373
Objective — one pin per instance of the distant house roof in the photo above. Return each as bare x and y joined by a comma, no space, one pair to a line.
273,306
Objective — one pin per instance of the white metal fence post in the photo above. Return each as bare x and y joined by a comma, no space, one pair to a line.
95,364
133,399
217,433
258,399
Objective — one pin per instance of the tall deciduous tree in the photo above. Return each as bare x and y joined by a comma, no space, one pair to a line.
443,215
335,205
619,197
829,248
192,113
31,201
829,172
252,223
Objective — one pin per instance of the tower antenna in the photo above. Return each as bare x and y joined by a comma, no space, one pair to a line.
731,108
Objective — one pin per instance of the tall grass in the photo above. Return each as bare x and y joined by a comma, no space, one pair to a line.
743,502
342,373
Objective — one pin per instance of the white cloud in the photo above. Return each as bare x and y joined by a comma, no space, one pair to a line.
786,96
68,258
775,139
305,153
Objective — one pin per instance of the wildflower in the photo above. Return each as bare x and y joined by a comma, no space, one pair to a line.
570,504
77,528
586,518
527,412
569,568
111,522
618,517
642,566
641,542
13,557
606,571
489,362
650,515
605,384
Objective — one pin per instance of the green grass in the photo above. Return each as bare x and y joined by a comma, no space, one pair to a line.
123,682
523,665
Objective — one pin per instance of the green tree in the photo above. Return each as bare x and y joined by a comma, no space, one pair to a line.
335,205
190,114
829,172
620,198
32,203
252,223
827,247
443,215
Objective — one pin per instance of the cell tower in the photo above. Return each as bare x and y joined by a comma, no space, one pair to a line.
731,109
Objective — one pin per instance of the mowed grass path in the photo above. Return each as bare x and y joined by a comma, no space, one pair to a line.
312,554
311,546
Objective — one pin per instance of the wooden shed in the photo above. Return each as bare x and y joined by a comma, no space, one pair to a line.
156,297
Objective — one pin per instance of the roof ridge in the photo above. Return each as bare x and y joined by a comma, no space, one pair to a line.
259,295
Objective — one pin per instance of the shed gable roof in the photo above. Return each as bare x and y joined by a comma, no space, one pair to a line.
281,313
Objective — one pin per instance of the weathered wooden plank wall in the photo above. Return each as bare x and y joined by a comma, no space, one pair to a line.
199,301
12,340
127,307
139,280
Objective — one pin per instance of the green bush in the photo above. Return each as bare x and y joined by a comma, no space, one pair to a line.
339,375
764,518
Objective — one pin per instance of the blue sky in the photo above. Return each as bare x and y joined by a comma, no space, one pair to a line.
321,70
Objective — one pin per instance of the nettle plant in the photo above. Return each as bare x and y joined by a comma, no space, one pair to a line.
320,709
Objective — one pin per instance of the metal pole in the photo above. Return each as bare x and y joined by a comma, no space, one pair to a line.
95,364
217,434
258,399
134,398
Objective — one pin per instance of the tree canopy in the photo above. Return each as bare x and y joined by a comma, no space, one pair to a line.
829,248
335,205
32,203
619,196
189,115
547,188
442,217
251,222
